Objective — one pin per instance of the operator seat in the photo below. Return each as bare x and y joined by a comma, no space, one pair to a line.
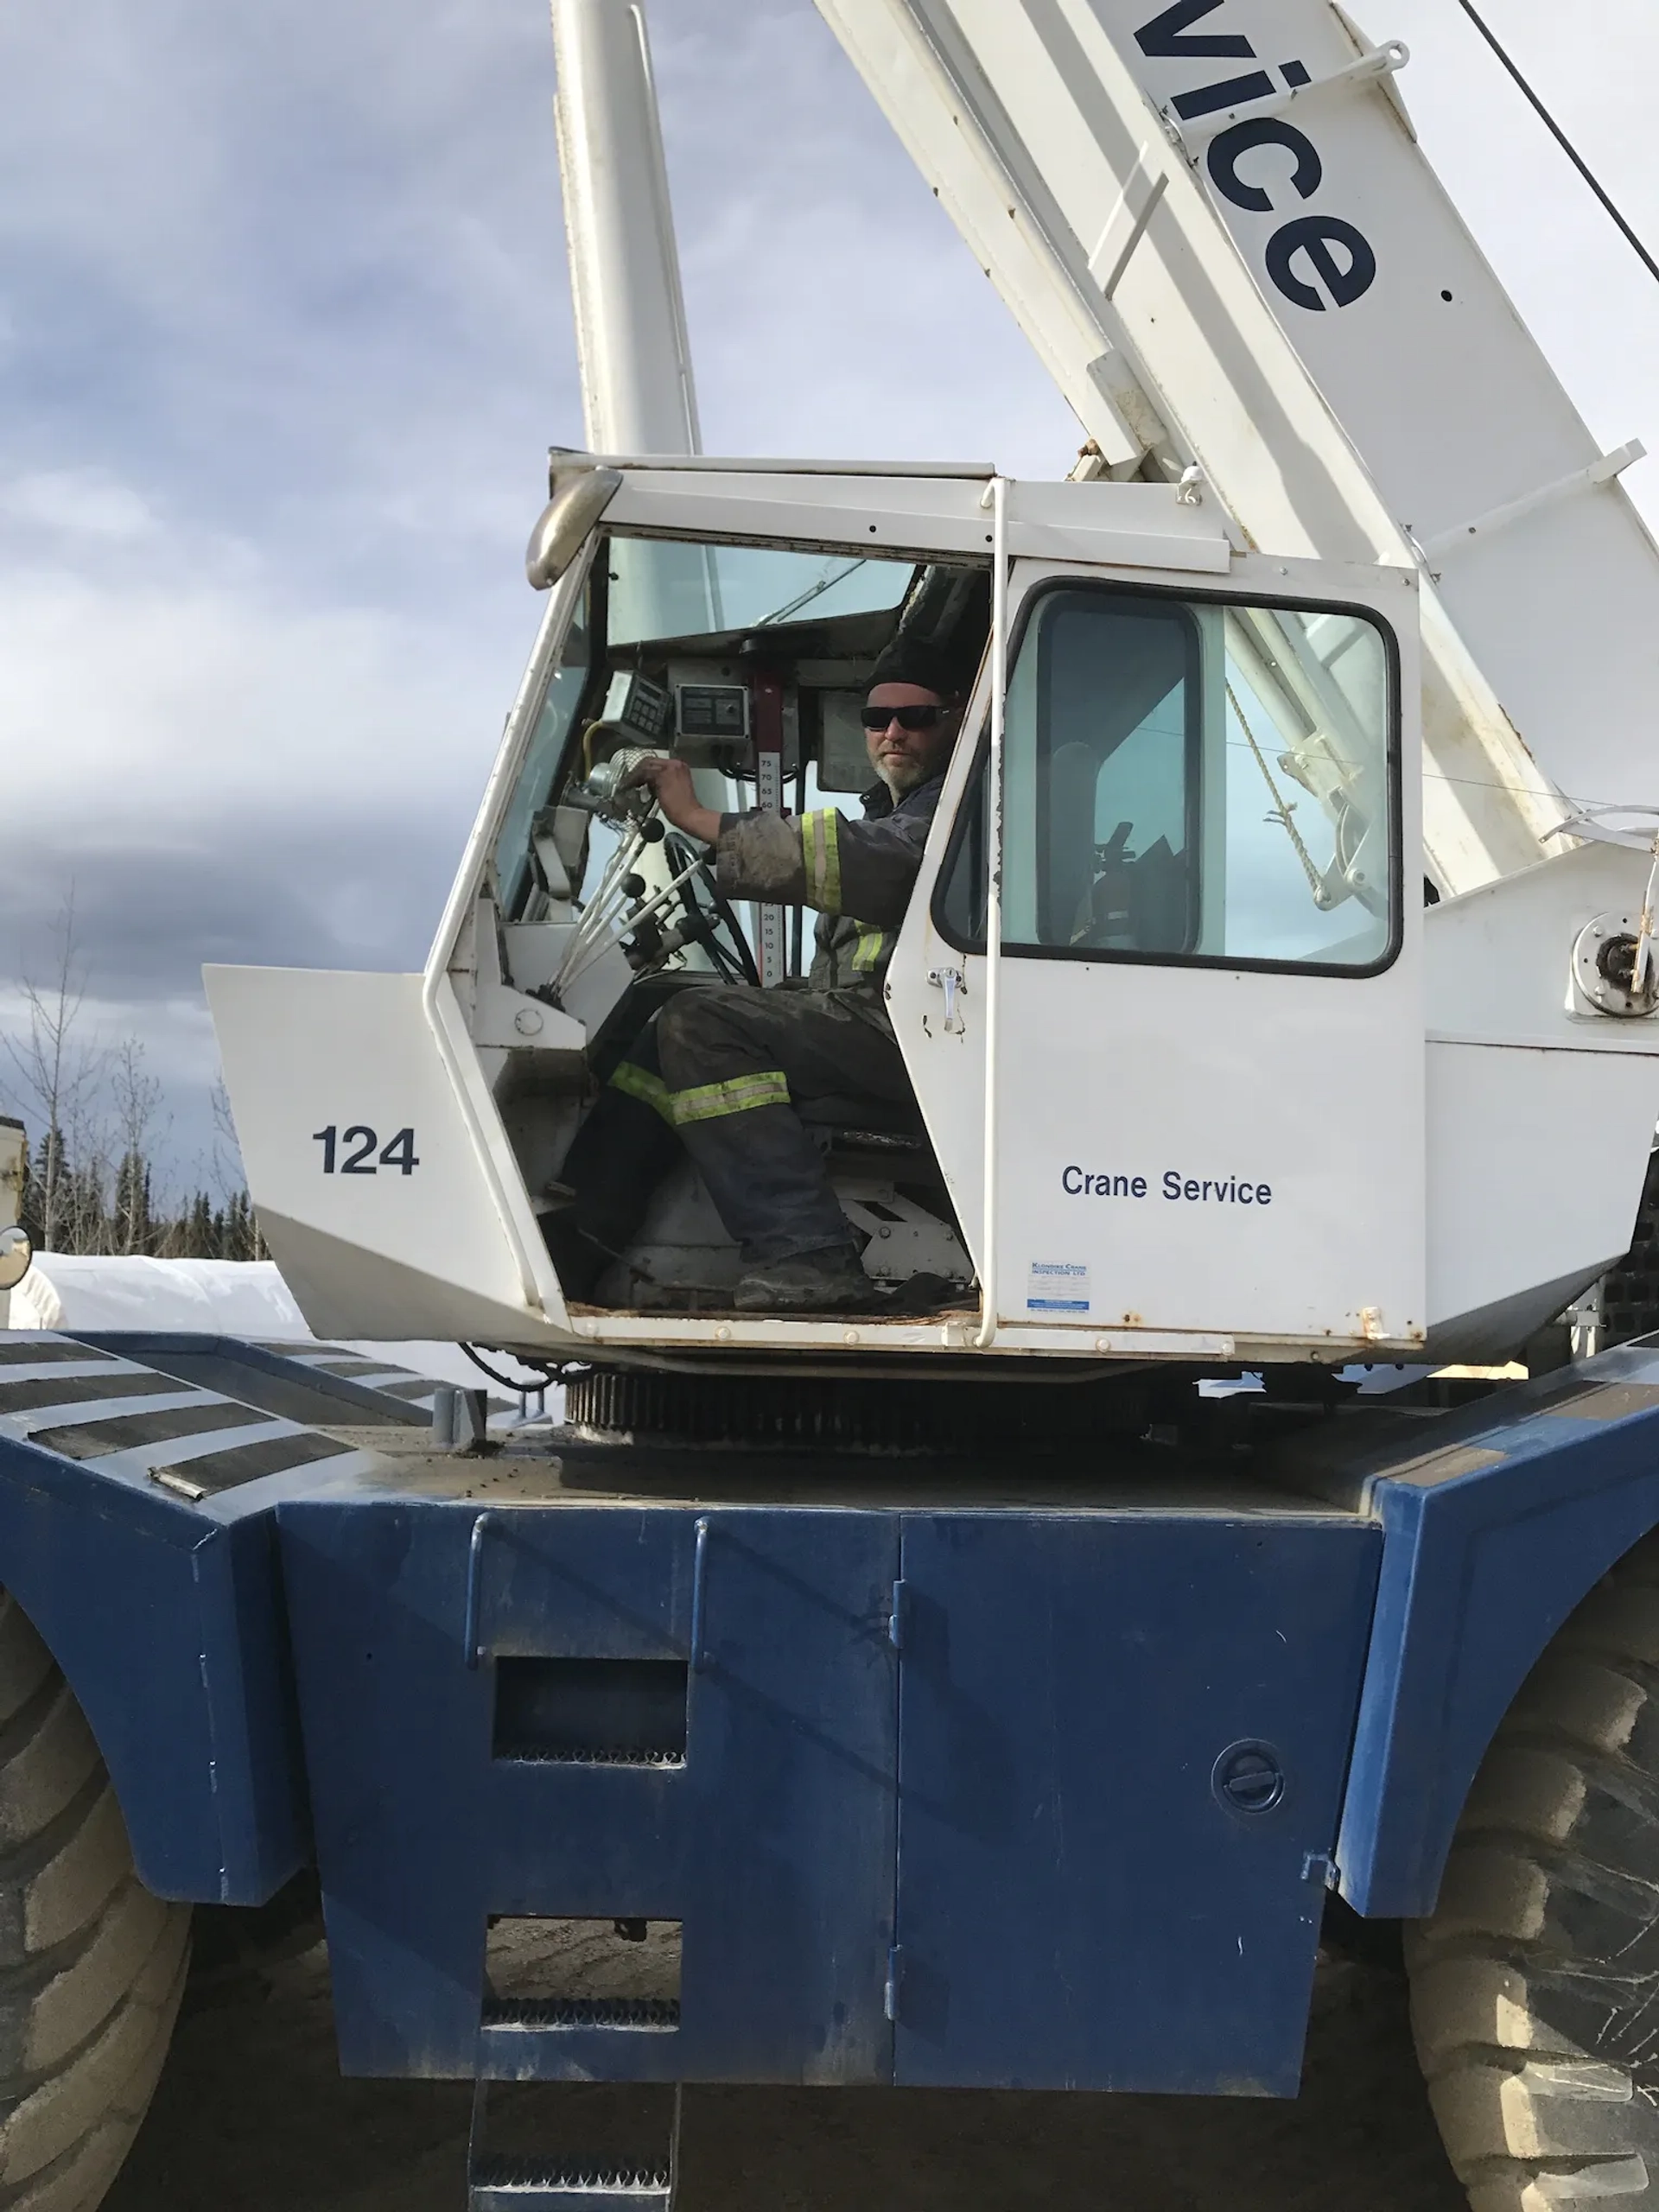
844,1125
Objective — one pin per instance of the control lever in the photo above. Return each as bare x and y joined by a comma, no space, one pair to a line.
599,793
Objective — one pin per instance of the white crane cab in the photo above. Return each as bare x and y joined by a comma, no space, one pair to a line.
1193,1080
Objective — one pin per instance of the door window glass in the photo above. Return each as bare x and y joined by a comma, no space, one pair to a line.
1191,781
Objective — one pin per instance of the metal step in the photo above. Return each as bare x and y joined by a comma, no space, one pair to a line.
623,2015
625,2178
518,2185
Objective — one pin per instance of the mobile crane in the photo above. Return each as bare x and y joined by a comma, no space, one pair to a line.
960,1692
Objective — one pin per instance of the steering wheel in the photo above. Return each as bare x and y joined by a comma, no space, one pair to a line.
710,915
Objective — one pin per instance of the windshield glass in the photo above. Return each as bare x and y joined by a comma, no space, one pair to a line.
664,590
684,648
542,758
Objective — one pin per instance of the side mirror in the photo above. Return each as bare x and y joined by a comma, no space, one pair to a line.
580,498
17,1254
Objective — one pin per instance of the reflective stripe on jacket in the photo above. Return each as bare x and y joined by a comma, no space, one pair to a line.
858,874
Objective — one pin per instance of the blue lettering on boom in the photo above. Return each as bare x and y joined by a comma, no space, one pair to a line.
1315,261
1171,35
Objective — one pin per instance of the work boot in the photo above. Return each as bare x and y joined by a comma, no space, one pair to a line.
830,1281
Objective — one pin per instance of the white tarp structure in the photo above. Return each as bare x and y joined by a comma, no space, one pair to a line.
228,1298
221,1298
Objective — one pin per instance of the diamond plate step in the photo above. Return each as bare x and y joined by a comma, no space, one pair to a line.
517,2185
628,2176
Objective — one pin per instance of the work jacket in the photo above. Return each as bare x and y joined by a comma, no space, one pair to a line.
858,874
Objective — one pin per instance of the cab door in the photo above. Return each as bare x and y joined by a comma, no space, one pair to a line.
1201,1072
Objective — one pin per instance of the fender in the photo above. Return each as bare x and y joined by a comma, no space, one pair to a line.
170,1636
166,1616
1497,1522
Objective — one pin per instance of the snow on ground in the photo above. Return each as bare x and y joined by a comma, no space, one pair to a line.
221,1298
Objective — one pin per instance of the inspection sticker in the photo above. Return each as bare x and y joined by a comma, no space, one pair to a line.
1058,1287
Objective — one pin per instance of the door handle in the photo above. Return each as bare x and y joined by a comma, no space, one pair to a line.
954,984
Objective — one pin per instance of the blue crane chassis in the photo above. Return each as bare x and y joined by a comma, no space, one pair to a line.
1013,1775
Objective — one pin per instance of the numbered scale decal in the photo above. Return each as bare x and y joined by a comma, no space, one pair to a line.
354,1151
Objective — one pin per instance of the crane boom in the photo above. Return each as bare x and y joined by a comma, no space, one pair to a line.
1253,268
638,395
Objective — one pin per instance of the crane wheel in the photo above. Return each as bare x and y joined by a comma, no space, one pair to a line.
91,1965
1535,1987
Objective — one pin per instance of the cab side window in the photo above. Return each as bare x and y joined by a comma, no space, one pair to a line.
1103,776
1191,781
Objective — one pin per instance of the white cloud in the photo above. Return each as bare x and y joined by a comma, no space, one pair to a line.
143,716
84,503
127,702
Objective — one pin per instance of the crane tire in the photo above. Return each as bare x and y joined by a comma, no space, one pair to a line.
91,1965
1535,1986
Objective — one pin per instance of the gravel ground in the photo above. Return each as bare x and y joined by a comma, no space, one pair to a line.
252,2114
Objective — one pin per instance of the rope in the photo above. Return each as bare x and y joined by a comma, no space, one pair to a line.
1561,138
1281,813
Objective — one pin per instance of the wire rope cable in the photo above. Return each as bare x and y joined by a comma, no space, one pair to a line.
1282,811
1561,138
550,1373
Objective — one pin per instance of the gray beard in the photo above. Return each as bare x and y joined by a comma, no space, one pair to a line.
896,790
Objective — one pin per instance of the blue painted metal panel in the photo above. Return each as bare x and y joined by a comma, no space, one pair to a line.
166,1615
168,1628
1080,1904
396,1732
1480,1568
772,1841
791,1759
1069,1681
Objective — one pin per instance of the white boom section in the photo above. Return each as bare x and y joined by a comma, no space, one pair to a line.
638,390
1255,280
637,387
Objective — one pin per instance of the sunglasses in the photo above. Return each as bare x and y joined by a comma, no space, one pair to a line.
876,719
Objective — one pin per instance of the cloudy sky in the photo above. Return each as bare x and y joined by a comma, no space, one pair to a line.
284,335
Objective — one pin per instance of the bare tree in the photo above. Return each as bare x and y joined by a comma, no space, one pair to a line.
228,1152
136,1101
102,1119
58,1071
246,1240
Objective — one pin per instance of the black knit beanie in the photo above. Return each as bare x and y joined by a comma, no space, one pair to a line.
914,660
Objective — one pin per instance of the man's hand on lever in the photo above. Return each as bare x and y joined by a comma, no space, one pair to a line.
671,786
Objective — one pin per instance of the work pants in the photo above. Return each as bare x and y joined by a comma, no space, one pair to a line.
715,1073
